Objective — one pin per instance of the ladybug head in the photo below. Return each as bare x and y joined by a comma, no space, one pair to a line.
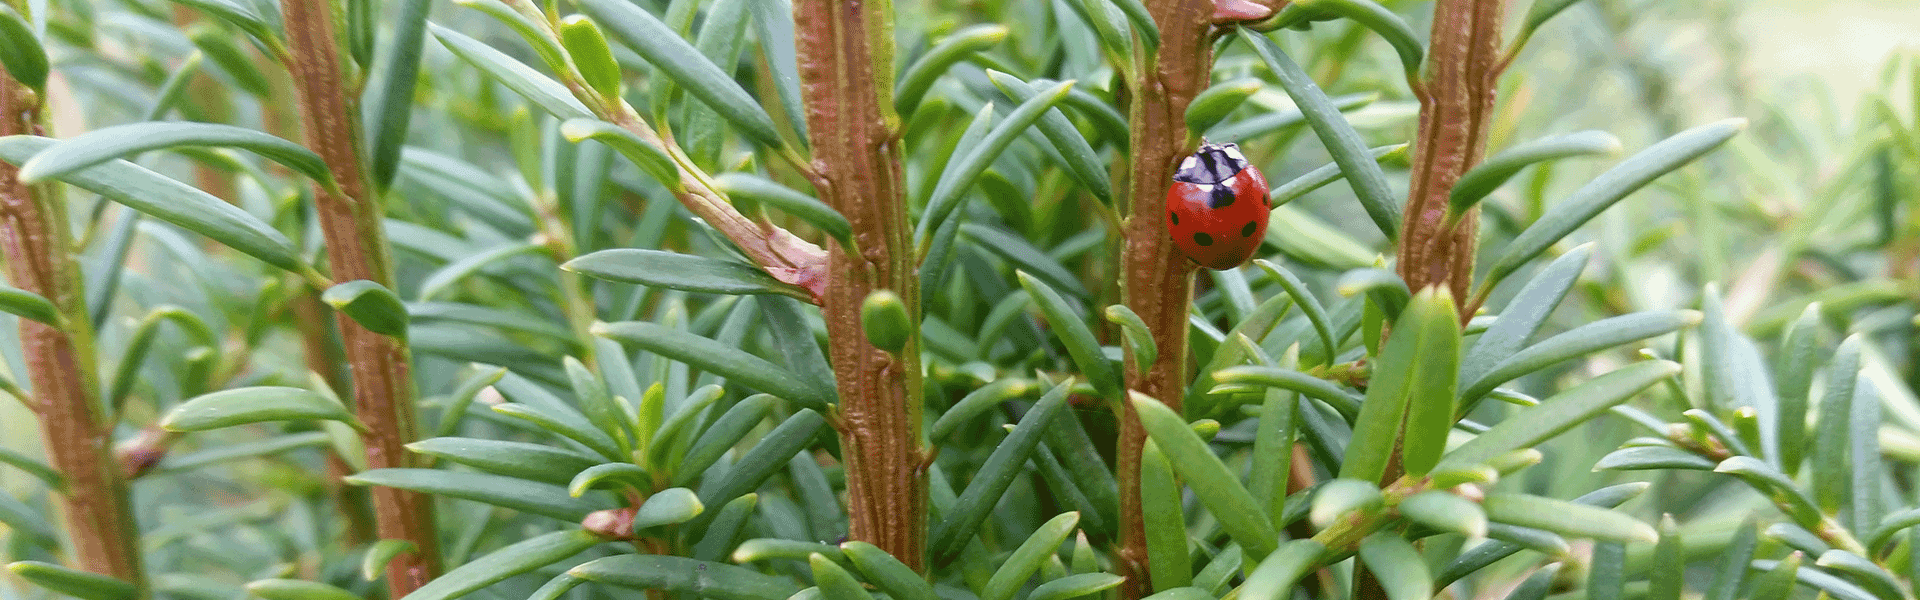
1211,164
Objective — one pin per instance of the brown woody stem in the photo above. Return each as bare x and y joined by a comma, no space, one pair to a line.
1156,280
75,430
1456,114
845,54
357,249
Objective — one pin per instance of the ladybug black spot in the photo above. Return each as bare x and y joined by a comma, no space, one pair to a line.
1175,217
1203,239
1220,197
1248,230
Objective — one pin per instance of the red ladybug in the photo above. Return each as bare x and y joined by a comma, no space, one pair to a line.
1217,208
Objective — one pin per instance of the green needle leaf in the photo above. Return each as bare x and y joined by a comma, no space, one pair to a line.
295,589
78,584
803,207
20,51
1008,460
371,305
956,47
536,462
1368,181
171,201
733,363
686,272
242,406
537,88
1081,161
497,566
1402,572
1073,332
542,499
650,158
1588,201
1480,181
1559,413
680,61
1567,518
961,173
1217,487
1026,559
28,305
1412,385
685,575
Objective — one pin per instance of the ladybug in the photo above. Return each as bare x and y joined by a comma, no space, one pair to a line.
1217,208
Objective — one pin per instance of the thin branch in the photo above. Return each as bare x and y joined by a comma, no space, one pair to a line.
76,432
845,55
1156,280
350,218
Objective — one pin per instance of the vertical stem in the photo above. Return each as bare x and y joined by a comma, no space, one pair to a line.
76,429
357,249
1156,280
845,54
1456,113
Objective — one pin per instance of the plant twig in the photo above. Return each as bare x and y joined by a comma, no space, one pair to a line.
357,249
1156,280
76,431
1456,114
845,55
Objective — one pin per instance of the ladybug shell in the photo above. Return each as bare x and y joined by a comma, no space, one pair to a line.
1217,208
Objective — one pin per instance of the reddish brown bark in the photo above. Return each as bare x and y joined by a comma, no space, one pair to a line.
845,50
357,249
1156,280
77,434
1456,114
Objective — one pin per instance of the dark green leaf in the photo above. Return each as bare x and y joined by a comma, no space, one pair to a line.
1075,586
20,51
371,305
295,589
525,496
1412,384
1168,565
78,584
652,159
1008,460
1216,486
28,305
1401,571
523,460
1081,161
628,474
735,364
1275,577
1368,181
1577,342
680,61
1075,334
685,575
917,79
521,557
965,168
1525,313
173,202
1027,558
